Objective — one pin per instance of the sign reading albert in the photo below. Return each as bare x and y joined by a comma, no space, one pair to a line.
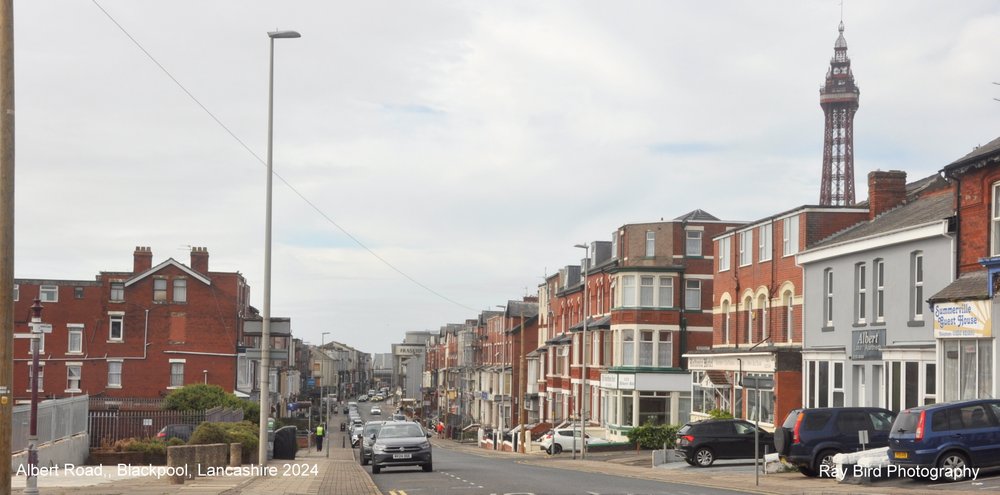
867,345
962,319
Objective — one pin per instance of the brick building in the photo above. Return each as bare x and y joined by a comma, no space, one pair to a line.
137,333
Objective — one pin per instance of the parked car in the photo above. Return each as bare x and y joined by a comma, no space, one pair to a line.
370,430
702,442
809,438
401,443
560,439
956,435
180,431
376,411
398,417
357,430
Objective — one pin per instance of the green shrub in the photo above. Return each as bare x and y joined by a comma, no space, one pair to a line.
652,436
173,442
150,446
207,433
720,414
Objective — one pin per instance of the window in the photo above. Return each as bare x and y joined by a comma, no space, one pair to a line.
692,294
788,301
118,291
41,376
48,293
917,287
666,292
645,347
74,339
628,291
17,292
73,371
825,384
764,330
78,292
746,255
116,327
665,350
646,291
968,369
764,243
180,290
879,269
861,292
176,373
650,243
628,347
995,223
725,246
693,246
159,289
828,300
725,322
114,374
748,306
614,245
790,236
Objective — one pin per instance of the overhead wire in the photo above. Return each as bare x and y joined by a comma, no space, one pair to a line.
276,174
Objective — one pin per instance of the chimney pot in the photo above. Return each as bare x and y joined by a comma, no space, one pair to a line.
199,259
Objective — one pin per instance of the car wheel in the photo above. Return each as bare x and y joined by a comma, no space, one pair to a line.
689,461
428,467
375,468
364,460
956,464
808,471
556,448
704,457
825,467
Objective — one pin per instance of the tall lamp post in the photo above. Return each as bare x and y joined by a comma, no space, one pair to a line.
31,483
265,339
323,400
586,314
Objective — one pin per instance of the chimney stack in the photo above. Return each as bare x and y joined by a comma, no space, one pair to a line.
142,259
199,259
886,190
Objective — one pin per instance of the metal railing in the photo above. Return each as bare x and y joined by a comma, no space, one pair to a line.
57,419
107,427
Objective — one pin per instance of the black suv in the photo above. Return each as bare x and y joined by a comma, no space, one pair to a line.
702,442
809,438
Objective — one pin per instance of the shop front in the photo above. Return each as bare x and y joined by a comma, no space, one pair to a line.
631,398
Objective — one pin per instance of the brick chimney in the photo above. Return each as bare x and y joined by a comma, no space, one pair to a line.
142,259
199,259
886,190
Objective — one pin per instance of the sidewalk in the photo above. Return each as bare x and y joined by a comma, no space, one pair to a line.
310,473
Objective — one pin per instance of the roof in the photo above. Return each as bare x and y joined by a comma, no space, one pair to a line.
521,308
559,339
968,286
170,261
593,322
978,156
697,216
922,211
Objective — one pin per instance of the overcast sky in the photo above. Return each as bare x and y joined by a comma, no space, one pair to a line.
469,144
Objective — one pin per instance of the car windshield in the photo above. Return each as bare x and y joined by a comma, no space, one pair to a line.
369,429
400,431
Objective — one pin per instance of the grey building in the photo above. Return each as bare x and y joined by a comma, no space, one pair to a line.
868,328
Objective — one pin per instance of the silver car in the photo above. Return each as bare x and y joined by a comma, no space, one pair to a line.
371,429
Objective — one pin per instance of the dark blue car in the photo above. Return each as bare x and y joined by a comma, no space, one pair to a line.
953,436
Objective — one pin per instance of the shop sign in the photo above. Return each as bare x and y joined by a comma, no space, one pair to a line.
626,382
609,380
755,363
963,319
866,345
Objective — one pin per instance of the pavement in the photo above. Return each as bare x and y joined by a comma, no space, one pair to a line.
338,472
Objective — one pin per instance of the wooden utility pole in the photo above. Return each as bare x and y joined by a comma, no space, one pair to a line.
6,237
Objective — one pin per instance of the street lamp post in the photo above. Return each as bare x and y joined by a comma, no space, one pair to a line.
265,344
324,401
586,313
31,483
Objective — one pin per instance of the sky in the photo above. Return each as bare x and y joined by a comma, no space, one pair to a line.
439,158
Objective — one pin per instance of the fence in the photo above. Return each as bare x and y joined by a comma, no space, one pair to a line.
57,419
125,403
107,427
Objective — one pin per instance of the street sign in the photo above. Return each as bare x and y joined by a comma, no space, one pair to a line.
758,382
43,327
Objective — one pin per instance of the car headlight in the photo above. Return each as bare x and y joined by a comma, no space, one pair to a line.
378,448
425,446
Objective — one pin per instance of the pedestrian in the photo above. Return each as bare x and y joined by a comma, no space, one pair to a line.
320,433
440,428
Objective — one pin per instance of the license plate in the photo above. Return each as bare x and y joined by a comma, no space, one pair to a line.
901,455
402,456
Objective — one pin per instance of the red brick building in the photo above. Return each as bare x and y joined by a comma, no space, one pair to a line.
137,333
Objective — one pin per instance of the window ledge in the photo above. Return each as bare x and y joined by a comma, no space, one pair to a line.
122,341
113,386
175,387
826,329
72,391
859,325
915,323
878,323
74,353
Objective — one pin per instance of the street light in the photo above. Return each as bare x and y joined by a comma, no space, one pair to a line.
586,312
31,483
324,402
265,344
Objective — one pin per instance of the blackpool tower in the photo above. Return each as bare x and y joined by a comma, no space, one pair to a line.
839,100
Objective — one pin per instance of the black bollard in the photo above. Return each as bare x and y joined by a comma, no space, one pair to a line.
343,442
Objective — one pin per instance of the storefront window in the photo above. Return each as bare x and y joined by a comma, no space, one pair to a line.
655,410
684,408
627,410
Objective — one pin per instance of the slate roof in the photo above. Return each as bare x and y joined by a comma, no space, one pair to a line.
919,212
520,308
979,156
697,216
968,286
593,322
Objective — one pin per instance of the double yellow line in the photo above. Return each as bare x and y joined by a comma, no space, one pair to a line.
397,492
